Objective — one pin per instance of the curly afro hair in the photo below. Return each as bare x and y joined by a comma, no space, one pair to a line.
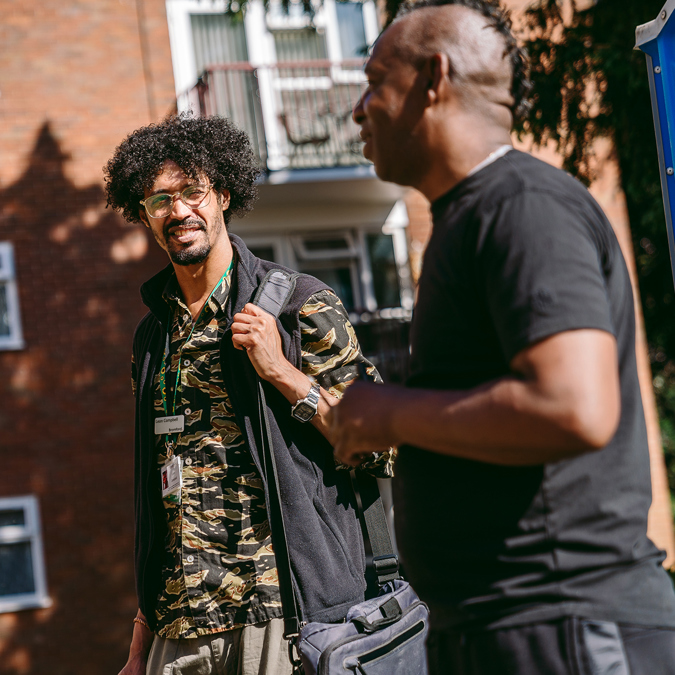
212,146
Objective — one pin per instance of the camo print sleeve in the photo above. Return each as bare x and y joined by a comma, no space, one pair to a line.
331,355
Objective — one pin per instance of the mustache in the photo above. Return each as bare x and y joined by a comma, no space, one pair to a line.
188,222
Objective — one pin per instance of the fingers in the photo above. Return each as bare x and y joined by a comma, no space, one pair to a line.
347,456
253,310
251,321
343,445
245,339
237,342
255,330
353,456
251,318
360,423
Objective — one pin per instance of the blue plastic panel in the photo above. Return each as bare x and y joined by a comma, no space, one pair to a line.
657,40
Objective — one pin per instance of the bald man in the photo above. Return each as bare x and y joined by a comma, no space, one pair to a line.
523,483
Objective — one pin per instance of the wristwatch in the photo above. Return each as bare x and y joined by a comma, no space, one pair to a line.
305,409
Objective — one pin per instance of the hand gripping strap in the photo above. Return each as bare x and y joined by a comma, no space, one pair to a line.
275,291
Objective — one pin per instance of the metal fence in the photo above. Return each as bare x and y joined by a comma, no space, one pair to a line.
297,114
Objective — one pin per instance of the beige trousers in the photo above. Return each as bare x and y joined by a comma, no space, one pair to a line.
259,649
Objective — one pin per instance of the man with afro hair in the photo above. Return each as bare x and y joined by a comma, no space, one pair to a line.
206,574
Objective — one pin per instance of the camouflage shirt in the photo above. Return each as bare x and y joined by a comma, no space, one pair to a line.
219,571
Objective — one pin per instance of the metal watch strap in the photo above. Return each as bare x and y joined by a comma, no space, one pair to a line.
312,400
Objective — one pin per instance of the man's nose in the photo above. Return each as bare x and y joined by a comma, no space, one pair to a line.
179,209
357,114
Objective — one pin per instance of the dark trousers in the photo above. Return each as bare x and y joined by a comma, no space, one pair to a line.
570,646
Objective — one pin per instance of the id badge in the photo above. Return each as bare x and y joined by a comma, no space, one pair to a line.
172,479
169,425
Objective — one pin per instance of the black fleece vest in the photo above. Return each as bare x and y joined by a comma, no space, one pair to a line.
324,537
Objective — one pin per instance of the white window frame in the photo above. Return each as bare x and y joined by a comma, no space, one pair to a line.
275,243
292,253
351,256
30,532
396,225
8,280
303,253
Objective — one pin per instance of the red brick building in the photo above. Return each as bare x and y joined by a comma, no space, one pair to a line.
75,78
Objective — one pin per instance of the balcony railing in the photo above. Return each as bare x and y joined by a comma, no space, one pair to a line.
298,115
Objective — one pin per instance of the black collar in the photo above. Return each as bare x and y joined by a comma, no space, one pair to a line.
245,279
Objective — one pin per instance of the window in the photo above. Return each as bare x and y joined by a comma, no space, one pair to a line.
361,267
304,44
332,257
267,248
384,270
10,321
217,39
264,252
353,42
288,79
22,570
368,269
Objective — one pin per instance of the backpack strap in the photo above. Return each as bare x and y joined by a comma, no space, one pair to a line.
275,291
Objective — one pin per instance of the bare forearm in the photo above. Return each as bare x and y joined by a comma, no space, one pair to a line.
505,422
508,422
294,385
563,398
141,642
142,637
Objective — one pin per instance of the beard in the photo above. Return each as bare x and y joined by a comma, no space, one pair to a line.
193,253
190,256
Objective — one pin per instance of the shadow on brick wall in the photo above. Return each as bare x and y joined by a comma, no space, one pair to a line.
66,411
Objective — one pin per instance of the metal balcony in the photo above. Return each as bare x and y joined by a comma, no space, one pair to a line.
298,115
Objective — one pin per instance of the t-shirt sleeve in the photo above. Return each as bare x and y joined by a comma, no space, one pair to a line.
540,261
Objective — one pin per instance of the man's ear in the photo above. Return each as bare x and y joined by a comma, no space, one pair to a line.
226,199
437,71
143,216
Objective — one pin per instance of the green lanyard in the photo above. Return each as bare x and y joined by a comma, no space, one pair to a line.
162,372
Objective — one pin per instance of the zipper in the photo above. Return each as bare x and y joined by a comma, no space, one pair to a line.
415,629
326,654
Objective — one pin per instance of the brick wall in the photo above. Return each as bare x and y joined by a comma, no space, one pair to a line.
73,83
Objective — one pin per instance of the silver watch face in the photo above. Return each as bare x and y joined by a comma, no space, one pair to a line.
303,412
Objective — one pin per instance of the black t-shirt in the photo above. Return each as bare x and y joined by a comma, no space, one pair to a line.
520,251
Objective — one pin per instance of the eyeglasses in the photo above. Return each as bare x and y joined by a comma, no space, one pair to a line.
193,196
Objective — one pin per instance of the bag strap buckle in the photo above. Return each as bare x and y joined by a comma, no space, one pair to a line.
386,568
294,655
